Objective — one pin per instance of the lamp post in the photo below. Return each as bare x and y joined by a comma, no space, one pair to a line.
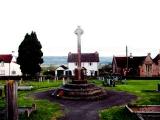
127,57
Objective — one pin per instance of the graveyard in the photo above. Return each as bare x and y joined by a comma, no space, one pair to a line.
80,60
45,109
107,97
144,90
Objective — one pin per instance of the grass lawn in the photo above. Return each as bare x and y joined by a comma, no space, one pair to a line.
45,110
145,90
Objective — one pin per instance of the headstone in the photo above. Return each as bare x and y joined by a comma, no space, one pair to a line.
0,92
159,87
11,97
64,81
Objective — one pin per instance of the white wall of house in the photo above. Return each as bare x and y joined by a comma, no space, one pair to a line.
12,69
90,66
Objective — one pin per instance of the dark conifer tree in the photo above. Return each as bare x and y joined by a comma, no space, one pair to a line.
30,55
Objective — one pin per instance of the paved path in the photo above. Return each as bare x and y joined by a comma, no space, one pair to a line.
87,110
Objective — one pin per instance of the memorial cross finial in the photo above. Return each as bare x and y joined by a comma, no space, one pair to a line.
78,31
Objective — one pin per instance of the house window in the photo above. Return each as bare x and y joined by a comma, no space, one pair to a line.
148,69
13,72
90,63
2,64
2,72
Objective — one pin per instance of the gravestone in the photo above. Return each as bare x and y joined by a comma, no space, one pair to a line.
0,92
11,98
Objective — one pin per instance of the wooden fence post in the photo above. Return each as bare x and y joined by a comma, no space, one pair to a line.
11,94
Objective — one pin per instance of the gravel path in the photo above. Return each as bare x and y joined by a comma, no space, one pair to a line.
87,110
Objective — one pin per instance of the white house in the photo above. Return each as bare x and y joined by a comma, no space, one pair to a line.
61,71
8,66
89,62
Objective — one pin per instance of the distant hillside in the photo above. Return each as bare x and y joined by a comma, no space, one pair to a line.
105,60
59,60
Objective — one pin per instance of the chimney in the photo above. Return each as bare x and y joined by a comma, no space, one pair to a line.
149,54
69,53
96,52
13,57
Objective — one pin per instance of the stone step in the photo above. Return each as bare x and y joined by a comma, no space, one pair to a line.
93,97
80,92
78,86
84,93
81,89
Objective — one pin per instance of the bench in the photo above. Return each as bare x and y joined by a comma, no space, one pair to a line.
27,111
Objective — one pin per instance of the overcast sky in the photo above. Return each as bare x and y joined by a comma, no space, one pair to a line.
109,25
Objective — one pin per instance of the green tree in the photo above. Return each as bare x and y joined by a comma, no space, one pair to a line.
30,55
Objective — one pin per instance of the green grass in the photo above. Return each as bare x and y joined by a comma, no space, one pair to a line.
97,82
41,85
46,110
145,90
116,113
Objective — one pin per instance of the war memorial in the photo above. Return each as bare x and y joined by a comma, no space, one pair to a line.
79,88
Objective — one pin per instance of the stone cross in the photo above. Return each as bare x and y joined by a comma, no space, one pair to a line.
79,32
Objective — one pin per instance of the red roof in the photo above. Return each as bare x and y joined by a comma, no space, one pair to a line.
85,57
132,61
6,58
155,60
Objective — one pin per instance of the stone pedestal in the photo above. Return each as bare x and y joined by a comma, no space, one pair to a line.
76,77
81,92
